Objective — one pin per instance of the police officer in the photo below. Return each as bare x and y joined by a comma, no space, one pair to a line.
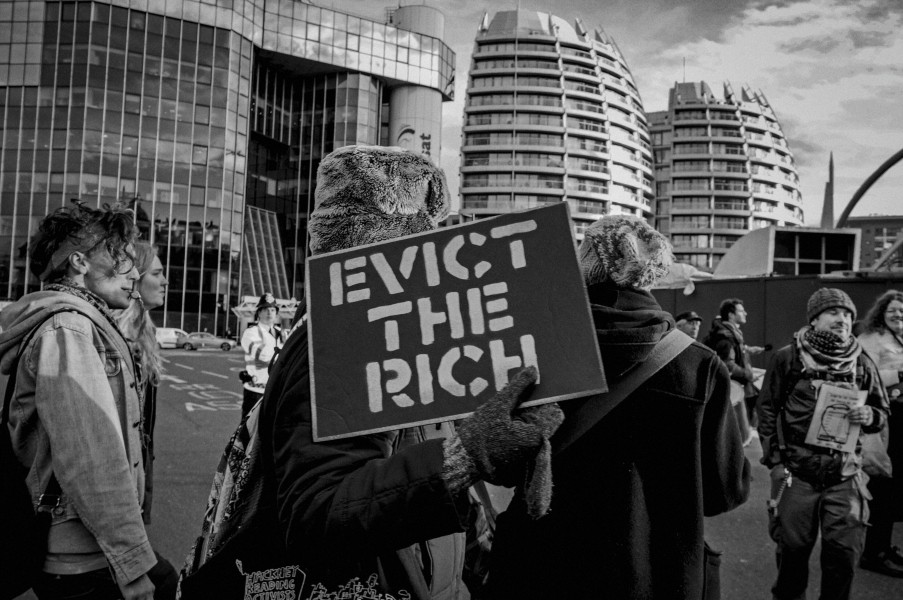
261,342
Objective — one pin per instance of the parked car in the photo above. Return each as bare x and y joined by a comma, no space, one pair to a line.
202,339
168,337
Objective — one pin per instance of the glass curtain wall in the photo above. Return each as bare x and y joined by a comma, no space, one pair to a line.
296,121
138,108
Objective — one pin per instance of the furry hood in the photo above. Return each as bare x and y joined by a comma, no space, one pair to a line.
367,194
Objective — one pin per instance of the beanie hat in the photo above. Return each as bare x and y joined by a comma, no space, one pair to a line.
825,298
625,250
367,194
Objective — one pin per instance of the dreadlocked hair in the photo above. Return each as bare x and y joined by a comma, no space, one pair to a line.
73,222
136,324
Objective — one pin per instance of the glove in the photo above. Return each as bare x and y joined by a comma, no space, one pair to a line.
506,449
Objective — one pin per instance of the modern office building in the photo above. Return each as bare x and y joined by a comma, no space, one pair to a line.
208,117
552,114
722,169
880,233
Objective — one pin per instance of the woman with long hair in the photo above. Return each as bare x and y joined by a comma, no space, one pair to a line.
882,339
135,321
138,328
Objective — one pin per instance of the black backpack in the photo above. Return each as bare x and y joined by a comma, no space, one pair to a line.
24,533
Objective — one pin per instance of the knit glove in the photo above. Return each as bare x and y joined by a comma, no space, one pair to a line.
504,448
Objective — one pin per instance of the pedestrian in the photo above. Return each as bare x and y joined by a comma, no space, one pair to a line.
261,342
378,504
626,518
882,339
689,322
138,327
728,325
75,416
814,486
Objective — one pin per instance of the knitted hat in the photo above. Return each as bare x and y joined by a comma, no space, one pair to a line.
825,298
625,250
368,194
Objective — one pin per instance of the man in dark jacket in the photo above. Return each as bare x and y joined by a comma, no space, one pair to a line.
815,486
387,504
626,520
726,333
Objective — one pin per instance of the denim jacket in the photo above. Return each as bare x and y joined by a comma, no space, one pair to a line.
76,413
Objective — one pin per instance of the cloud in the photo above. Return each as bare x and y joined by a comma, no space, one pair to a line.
820,45
866,39
830,70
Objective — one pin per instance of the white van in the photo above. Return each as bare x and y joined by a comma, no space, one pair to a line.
167,336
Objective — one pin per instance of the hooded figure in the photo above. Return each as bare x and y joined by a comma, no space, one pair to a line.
389,503
626,519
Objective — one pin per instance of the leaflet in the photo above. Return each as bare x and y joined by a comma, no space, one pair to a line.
830,427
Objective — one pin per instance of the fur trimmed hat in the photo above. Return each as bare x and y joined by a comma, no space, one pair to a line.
625,250
825,298
368,194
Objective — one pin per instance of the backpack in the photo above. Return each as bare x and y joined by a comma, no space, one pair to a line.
25,528
241,550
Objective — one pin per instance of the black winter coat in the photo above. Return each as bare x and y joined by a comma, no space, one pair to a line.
352,507
741,369
788,392
626,518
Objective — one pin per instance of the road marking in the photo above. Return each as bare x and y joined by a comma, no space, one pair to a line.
215,374
184,366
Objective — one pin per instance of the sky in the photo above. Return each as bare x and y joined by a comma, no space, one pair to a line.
831,69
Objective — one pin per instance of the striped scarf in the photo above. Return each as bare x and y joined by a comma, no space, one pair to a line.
827,352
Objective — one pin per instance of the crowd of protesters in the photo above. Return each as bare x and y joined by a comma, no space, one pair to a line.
624,509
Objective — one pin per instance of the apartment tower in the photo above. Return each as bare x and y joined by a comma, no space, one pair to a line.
722,169
552,114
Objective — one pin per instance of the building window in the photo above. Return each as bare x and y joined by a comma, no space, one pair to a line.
199,155
680,132
690,222
690,241
699,148
730,223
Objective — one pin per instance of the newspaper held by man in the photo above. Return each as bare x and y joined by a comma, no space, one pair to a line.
830,427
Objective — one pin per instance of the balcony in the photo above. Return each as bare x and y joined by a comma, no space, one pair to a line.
731,186
739,205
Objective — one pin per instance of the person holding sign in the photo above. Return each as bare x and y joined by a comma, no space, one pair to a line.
626,519
819,393
376,503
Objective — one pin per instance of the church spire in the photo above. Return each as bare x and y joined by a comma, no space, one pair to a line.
827,213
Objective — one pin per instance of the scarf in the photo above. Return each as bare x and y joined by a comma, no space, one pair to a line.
826,352
68,286
736,331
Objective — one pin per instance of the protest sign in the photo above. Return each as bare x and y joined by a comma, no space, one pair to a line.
425,328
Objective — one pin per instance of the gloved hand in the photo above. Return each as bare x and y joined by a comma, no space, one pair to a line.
504,448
